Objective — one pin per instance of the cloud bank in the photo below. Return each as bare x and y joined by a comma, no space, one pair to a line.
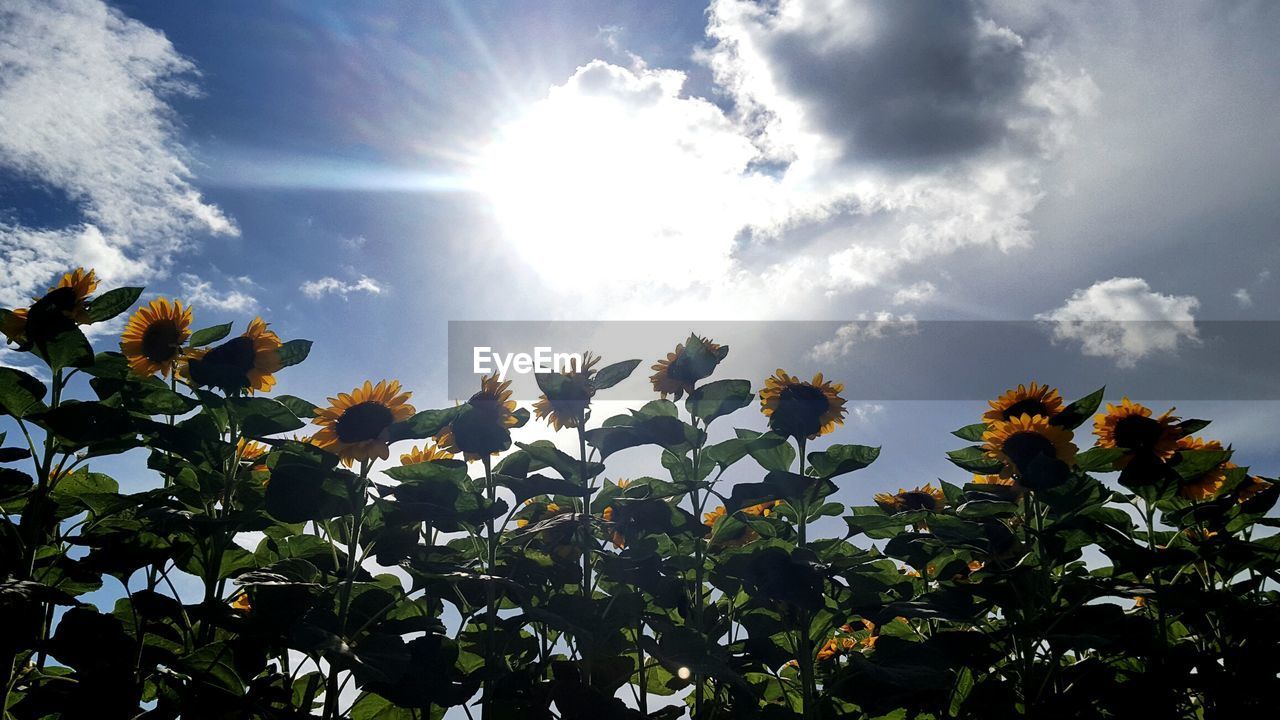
1125,320
83,105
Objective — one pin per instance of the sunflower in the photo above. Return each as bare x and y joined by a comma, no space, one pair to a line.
241,603
565,405
248,450
922,498
1019,441
993,480
691,361
1249,492
247,362
426,454
622,483
70,297
355,426
473,435
13,325
1129,426
80,284
802,409
617,539
710,519
152,339
764,509
1211,481
1034,400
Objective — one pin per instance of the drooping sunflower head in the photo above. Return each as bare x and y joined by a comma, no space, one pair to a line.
248,450
13,325
1019,442
1023,400
1129,426
922,498
248,362
427,453
802,409
73,291
567,395
356,425
66,304
682,368
1210,482
152,339
710,519
484,427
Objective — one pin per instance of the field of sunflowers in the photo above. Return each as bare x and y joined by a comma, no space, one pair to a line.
1086,562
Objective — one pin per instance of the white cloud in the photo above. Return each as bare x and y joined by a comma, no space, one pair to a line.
865,411
868,326
619,176
1243,298
82,104
1125,320
316,289
915,294
200,292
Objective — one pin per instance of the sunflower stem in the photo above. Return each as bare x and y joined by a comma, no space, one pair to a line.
358,502
805,642
587,651
491,605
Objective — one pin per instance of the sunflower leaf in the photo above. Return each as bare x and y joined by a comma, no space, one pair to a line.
1075,414
718,399
294,352
1192,426
297,406
1099,459
113,302
975,460
425,424
20,393
209,335
771,450
260,417
611,375
840,459
972,433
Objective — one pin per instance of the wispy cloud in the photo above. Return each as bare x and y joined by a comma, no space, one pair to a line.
84,95
915,294
869,326
316,289
1243,298
201,292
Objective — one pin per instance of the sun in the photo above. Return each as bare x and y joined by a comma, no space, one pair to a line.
615,172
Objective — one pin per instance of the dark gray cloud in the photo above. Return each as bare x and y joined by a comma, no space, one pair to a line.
910,81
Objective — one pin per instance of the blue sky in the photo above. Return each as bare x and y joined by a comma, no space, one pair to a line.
361,173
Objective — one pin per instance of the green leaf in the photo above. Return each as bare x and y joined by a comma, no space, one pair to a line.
972,433
840,459
1194,463
719,398
425,424
294,352
1075,414
113,302
771,450
975,460
1099,459
209,335
611,375
259,417
297,406
20,393
14,483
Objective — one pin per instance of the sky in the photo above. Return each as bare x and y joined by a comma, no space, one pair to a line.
361,174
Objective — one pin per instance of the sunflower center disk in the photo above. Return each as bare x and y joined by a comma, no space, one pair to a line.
1138,433
1024,447
1025,407
913,500
362,422
800,409
160,341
